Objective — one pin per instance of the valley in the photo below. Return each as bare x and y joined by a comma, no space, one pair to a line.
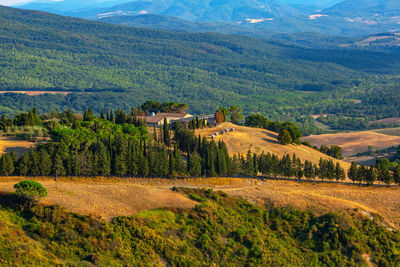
200,133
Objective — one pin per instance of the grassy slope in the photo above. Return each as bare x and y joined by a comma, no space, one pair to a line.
356,142
219,230
108,198
260,140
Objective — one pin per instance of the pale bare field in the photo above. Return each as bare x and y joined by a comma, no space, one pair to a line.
32,93
109,198
354,142
19,146
260,140
393,120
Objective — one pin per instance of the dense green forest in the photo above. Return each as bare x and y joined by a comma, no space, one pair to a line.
119,67
220,230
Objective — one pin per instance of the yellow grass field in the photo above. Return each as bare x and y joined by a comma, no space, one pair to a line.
259,140
354,142
108,197
19,146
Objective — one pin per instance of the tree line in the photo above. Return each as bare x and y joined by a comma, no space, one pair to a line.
119,145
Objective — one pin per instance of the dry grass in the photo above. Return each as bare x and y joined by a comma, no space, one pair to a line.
106,199
19,146
115,197
356,142
323,198
259,140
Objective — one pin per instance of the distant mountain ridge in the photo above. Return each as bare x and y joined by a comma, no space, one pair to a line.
212,10
260,18
354,8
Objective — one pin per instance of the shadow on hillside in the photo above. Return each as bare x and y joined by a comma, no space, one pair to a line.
9,201
270,141
18,150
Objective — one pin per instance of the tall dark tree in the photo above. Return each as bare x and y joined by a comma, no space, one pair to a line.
22,166
166,133
58,166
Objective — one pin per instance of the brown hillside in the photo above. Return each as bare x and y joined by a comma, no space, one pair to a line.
357,142
259,140
110,197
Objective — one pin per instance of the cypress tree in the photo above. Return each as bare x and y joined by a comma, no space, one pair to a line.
171,171
330,169
371,177
22,166
194,165
112,116
3,165
34,163
255,165
383,172
286,166
166,134
132,167
58,166
143,166
340,175
353,172
396,174
45,162
210,169
179,163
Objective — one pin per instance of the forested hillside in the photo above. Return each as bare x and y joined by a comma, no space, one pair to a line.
120,67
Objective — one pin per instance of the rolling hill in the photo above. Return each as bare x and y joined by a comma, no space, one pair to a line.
260,140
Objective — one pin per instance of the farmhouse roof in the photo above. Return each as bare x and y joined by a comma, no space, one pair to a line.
160,116
206,117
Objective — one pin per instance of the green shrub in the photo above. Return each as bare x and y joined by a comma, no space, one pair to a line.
30,190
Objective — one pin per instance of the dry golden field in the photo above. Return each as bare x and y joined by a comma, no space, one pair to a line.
108,197
355,142
19,146
259,140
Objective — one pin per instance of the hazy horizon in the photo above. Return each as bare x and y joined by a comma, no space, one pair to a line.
20,2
